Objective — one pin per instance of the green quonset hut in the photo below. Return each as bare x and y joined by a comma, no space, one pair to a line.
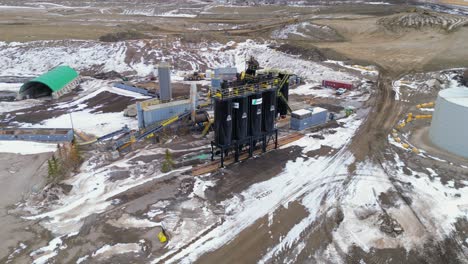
55,83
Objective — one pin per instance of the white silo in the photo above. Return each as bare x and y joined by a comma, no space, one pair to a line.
449,127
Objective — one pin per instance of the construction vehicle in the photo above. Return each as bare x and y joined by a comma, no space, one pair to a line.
195,76
250,73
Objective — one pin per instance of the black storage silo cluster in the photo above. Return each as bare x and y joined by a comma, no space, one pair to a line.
269,110
282,106
223,122
244,120
240,113
255,114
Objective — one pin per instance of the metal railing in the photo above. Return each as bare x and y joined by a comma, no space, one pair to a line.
243,90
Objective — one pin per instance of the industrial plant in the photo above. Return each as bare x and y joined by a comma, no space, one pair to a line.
234,131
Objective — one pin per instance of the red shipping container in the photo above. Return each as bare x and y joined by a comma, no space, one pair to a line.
337,85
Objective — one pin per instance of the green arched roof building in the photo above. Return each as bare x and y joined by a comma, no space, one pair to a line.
51,82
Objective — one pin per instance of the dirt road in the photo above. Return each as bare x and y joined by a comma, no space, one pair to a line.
19,176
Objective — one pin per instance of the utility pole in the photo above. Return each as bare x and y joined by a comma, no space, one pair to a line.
73,128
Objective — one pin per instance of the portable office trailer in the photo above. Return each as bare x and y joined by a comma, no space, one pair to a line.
306,118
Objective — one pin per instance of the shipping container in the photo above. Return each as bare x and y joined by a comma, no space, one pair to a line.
303,118
337,85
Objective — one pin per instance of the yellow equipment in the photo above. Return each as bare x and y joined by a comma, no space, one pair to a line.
405,145
170,121
162,237
423,117
207,127
195,76
242,77
280,94
426,105
410,118
401,125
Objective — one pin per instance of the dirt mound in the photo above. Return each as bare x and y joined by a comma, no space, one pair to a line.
310,52
108,75
124,35
422,19
307,31
305,53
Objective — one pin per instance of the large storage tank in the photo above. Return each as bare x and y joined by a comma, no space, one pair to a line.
223,122
282,106
240,117
269,110
255,114
449,127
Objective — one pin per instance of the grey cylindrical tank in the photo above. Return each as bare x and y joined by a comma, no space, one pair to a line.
255,114
223,122
269,110
449,126
165,89
240,113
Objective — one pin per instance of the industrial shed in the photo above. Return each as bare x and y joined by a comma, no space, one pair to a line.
55,83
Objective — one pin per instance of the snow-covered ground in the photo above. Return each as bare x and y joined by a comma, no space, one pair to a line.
26,147
10,87
120,57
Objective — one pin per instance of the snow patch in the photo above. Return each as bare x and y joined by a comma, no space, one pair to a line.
26,147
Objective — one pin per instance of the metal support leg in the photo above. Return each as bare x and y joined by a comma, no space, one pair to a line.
212,152
276,139
222,157
264,143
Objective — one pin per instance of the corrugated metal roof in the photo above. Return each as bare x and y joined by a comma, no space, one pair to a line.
55,79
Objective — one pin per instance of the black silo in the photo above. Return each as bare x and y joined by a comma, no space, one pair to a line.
282,106
240,114
255,114
269,110
223,122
